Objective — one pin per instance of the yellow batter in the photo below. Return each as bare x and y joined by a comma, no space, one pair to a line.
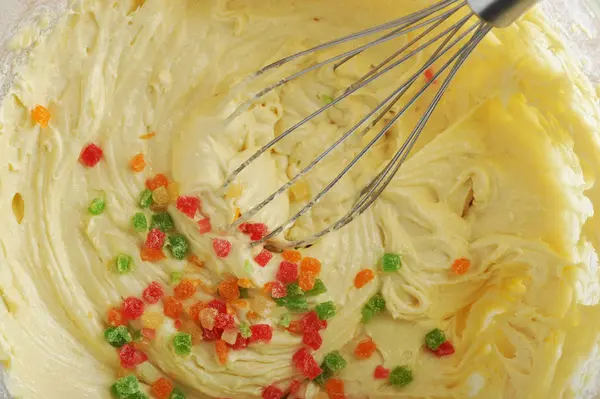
518,129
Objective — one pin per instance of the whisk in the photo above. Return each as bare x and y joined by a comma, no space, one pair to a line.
455,42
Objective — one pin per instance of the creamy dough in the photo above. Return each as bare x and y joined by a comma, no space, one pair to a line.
518,129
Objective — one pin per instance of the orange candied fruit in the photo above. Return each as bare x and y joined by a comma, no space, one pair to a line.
152,255
185,290
115,317
41,115
307,280
147,135
194,310
222,351
240,303
161,388
245,283
229,289
252,315
310,265
365,349
138,163
363,277
461,266
172,307
291,255
295,327
157,181
195,260
335,388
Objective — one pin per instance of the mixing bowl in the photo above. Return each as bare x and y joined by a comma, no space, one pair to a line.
578,21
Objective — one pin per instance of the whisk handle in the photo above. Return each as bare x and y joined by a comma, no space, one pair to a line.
500,13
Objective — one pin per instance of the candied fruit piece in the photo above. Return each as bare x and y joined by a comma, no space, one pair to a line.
207,318
311,265
434,338
117,336
288,272
381,373
139,222
291,255
132,308
325,310
145,198
126,386
188,205
222,351
278,290
374,306
221,247
307,281
204,226
161,388
161,197
130,356
41,115
184,290
263,257
90,155
444,349
256,230
365,348
245,330
182,343
401,376
123,263
178,245
391,262
157,181
306,364
461,266
312,322
172,307
115,317
272,392
138,163
230,335
312,339
335,388
155,239
318,289
240,343
219,305
224,321
334,361
294,387
97,206
152,255
153,293
261,333
162,221
229,289
363,277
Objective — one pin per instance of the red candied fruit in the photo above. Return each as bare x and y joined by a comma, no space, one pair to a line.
161,388
224,321
155,239
172,307
256,231
444,349
204,226
312,339
294,387
131,357
211,335
381,373
219,305
222,247
261,333
278,289
240,343
90,155
288,272
153,293
312,322
188,205
272,392
263,257
157,181
132,308
306,364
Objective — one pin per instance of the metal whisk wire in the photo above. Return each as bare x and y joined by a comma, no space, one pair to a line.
434,18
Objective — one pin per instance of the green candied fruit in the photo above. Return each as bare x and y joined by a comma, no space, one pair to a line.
138,395
401,376
334,361
123,263
294,304
244,293
117,336
244,329
391,262
175,278
434,338
285,320
177,394
162,221
294,290
322,378
318,289
178,245
325,310
373,306
146,198
139,222
182,342
97,206
126,386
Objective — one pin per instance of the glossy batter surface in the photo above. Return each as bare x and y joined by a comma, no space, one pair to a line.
503,175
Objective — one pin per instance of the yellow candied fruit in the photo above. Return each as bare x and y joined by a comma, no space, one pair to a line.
234,190
152,319
173,190
300,191
161,196
261,305
41,115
